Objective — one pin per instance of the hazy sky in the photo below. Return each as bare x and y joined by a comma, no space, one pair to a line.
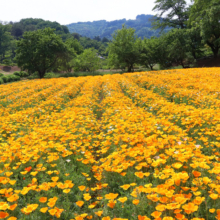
70,11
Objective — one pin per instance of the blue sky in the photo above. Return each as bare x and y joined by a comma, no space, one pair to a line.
70,11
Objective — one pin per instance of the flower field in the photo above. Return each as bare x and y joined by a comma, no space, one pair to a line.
133,146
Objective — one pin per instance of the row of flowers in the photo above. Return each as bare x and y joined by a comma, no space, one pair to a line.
109,148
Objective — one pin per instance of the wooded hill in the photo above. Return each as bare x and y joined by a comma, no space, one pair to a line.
103,28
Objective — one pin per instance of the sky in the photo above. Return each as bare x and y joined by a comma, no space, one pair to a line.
71,11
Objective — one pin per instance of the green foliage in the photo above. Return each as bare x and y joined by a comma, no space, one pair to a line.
32,24
75,45
9,78
171,13
50,75
178,47
149,53
87,61
40,50
125,48
100,46
21,73
205,15
5,40
66,64
1,74
105,29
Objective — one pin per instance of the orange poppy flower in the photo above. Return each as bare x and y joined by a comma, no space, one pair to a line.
44,209
80,203
81,188
43,199
3,215
156,214
196,174
12,207
99,213
143,217
111,195
106,218
111,204
214,196
135,201
87,196
12,218
123,199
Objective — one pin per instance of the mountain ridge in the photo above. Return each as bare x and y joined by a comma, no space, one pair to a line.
103,28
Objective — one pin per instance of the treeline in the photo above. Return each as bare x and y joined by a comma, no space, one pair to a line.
194,33
142,25
12,32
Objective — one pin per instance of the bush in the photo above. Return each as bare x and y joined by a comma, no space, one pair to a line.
69,75
1,81
15,78
1,74
33,76
21,73
17,73
5,79
50,75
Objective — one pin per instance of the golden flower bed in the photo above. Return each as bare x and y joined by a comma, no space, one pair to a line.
133,146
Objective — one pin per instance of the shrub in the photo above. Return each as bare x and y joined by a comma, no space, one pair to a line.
5,79
50,75
21,73
1,74
33,76
69,75
17,73
15,78
1,81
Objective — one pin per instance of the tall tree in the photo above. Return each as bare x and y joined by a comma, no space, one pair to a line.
178,47
171,13
125,48
87,61
40,50
149,53
5,40
205,14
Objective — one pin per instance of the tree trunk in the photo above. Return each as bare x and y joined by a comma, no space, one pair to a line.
214,49
129,68
215,52
194,55
41,74
182,64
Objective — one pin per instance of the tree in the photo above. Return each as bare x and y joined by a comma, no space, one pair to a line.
67,64
205,14
149,53
5,40
87,61
40,50
178,47
125,48
171,13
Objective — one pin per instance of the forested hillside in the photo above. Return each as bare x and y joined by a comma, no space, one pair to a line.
32,24
103,28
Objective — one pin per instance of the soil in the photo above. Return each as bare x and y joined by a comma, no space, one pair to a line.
9,69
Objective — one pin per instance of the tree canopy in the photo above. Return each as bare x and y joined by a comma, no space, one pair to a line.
205,15
125,48
171,13
40,50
